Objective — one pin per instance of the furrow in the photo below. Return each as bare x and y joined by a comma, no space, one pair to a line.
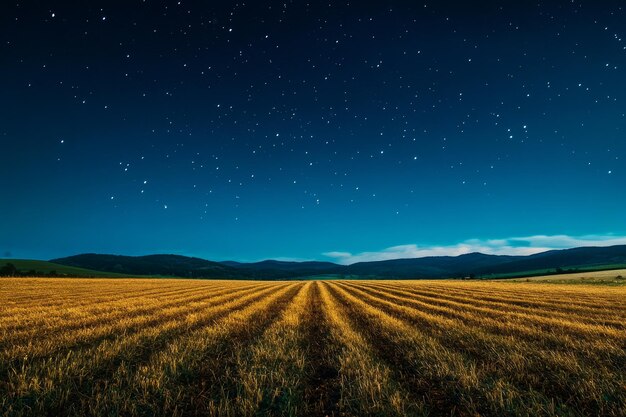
52,380
502,320
200,370
367,384
503,361
77,337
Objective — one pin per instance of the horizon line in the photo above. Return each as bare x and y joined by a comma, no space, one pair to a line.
516,246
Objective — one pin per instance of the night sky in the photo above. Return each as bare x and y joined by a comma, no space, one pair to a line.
310,130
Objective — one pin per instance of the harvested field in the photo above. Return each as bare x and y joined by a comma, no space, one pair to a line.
144,347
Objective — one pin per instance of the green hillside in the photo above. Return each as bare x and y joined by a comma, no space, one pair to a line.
44,268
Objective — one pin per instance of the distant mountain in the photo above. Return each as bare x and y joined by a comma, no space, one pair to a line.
270,265
431,266
183,266
476,264
566,258
165,265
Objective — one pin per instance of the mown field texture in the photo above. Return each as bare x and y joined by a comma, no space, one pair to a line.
177,347
608,277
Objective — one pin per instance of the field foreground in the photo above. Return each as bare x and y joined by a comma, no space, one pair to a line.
182,347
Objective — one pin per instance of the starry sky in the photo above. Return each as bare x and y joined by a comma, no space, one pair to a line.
308,130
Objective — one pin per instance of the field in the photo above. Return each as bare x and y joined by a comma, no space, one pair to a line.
313,348
610,277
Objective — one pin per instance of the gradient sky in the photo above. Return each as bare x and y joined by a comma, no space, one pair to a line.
309,131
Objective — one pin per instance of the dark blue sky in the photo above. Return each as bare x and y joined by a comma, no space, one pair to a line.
291,130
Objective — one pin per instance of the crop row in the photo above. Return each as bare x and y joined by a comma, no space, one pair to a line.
232,348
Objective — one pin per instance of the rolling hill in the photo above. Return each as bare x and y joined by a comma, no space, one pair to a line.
474,264
584,257
163,265
45,268
431,266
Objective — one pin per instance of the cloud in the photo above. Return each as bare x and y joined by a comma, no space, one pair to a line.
511,246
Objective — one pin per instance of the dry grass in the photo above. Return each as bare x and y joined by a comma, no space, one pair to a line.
612,276
236,348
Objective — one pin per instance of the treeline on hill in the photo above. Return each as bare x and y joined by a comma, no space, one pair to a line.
10,270
468,266
188,267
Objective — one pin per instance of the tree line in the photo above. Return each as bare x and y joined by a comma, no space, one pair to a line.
10,270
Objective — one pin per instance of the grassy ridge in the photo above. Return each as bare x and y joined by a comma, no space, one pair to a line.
576,270
602,277
353,348
173,266
43,267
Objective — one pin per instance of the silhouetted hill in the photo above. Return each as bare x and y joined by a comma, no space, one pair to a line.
283,269
479,264
473,264
566,258
165,265
36,268
183,266
431,266
270,265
